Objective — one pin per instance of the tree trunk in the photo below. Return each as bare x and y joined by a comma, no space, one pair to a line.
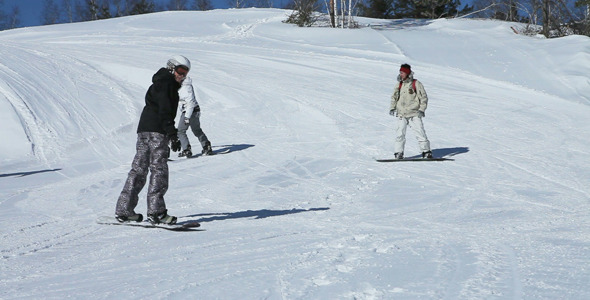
546,17
349,13
332,13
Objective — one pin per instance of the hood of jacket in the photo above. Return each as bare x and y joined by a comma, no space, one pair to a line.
162,74
408,79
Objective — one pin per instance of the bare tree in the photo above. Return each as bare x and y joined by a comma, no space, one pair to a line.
304,13
238,3
120,8
50,13
81,11
202,5
13,20
332,12
68,10
583,10
99,9
546,8
531,9
178,5
341,16
105,9
508,10
3,16
262,3
93,9
556,15
138,7
380,9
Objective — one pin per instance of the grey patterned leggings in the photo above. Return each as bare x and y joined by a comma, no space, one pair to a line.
195,125
152,155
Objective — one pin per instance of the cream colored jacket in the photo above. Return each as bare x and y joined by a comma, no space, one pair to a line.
405,101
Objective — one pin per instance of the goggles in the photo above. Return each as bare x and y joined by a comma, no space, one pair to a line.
181,70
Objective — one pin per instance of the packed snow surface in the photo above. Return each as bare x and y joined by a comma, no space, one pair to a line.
299,209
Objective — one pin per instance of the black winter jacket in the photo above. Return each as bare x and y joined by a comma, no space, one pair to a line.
161,104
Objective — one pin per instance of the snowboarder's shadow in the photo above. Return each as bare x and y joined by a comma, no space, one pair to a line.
446,152
256,214
23,174
225,149
231,148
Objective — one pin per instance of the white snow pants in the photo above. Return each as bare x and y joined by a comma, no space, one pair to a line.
418,127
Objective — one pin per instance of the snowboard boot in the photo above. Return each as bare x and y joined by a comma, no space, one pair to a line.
162,217
427,155
399,155
207,149
132,218
186,153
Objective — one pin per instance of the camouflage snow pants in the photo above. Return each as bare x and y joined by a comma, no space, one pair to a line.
152,155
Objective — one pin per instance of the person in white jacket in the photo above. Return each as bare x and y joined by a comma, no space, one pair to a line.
191,113
408,103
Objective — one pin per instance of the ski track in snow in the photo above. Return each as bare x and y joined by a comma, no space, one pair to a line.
77,115
300,210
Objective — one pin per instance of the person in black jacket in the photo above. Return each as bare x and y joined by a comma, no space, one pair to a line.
154,133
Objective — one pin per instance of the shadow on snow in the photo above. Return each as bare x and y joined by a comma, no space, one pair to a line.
256,214
221,149
401,24
445,152
23,174
232,148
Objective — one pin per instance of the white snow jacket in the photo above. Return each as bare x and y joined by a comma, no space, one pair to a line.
188,101
407,102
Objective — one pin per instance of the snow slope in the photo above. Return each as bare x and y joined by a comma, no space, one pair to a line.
299,209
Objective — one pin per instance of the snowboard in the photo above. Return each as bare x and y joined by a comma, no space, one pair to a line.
180,226
414,159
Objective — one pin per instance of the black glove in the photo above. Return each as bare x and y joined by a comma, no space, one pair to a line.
421,114
392,112
174,143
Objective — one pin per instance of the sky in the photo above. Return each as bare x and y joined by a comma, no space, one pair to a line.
30,10
300,208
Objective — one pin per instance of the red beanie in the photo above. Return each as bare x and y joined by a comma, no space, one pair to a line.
406,69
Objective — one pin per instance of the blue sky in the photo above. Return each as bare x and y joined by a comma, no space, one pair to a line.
30,10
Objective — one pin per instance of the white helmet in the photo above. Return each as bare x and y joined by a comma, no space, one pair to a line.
178,60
